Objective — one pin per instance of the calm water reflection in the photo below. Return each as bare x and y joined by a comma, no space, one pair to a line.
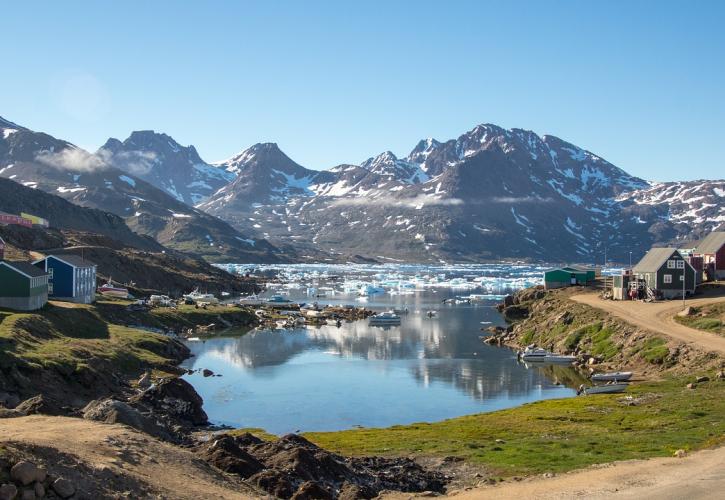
331,378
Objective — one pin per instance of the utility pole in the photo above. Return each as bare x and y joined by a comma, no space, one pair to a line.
684,274
630,260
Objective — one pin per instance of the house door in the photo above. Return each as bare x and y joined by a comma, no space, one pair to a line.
573,280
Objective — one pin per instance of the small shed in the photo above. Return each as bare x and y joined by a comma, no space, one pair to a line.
666,273
563,277
590,272
712,251
70,278
23,287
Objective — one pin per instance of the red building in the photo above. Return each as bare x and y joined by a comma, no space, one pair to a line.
712,251
9,219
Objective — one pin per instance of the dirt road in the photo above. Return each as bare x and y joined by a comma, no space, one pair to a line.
699,476
658,317
136,462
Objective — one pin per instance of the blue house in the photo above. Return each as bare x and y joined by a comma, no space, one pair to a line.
70,278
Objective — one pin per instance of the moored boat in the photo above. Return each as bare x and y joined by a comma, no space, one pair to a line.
197,296
384,319
611,376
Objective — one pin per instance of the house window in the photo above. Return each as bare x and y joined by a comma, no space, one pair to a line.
670,264
50,288
668,278
50,273
682,277
680,264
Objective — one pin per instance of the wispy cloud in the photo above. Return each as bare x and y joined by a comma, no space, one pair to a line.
75,159
135,162
390,201
520,199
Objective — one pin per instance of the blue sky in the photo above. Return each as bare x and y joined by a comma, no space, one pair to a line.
641,84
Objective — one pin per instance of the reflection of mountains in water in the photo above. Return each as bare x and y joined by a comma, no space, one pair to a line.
419,337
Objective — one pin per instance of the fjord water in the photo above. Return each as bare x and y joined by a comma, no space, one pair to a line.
332,378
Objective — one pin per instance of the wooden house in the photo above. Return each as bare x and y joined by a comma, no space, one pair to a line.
23,286
666,273
70,278
712,252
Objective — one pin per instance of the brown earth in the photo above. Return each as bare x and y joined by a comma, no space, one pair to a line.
658,317
698,476
114,461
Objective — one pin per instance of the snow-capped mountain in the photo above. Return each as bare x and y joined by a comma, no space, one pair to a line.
40,161
161,161
488,194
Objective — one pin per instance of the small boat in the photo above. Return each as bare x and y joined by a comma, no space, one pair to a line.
111,290
603,389
533,353
384,319
538,354
611,376
197,296
431,314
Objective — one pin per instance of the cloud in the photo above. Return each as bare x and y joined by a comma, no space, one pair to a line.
134,162
390,201
75,159
520,199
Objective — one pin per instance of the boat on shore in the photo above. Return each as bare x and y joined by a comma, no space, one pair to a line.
110,290
611,388
384,319
611,376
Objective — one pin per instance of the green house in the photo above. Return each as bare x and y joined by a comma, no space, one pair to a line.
666,272
565,276
23,287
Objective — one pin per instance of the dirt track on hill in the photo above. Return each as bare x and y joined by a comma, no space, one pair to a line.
658,317
140,464
698,476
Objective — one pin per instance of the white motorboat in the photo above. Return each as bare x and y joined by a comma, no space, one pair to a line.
197,296
611,376
538,354
384,319
533,353
604,389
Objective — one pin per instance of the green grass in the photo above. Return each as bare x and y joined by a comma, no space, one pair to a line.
255,431
710,318
654,350
558,435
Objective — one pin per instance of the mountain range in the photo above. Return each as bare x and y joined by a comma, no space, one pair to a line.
489,194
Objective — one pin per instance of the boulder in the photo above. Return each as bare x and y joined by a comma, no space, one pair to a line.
515,313
702,379
63,487
174,398
111,411
39,490
687,311
207,372
680,453
27,473
27,494
8,492
350,491
508,300
691,385
273,482
43,405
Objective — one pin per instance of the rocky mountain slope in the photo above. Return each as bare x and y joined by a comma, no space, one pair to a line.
40,161
161,161
489,194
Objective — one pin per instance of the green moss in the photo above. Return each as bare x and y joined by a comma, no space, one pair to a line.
654,350
558,435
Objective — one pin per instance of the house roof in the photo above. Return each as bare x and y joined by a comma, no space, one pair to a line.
653,260
73,260
25,268
712,243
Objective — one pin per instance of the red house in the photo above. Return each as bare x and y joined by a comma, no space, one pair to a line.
712,251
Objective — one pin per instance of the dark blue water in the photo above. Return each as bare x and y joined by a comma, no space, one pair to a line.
329,378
